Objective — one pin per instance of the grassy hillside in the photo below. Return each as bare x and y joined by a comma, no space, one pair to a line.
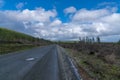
10,36
13,41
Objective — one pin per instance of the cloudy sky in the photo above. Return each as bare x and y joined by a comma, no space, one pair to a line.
62,19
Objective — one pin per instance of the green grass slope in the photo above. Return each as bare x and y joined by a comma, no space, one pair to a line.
10,36
11,41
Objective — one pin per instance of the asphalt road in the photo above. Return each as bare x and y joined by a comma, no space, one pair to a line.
40,63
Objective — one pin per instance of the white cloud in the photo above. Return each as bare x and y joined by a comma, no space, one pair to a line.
101,22
70,10
27,20
90,15
20,5
113,18
45,24
108,4
31,15
56,22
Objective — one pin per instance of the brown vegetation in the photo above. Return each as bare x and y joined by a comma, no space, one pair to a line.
100,60
106,51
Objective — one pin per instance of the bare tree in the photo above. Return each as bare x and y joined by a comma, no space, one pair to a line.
98,39
93,40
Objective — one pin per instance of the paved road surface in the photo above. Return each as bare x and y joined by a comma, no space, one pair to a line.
42,63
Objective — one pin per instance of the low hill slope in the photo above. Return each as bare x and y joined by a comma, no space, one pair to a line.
10,36
11,41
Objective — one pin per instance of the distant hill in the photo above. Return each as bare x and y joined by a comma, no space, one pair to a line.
10,36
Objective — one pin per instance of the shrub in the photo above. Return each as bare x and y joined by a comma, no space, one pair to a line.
110,58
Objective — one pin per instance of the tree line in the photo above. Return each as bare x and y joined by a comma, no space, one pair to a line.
89,39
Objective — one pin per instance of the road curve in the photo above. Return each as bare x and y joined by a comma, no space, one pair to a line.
42,63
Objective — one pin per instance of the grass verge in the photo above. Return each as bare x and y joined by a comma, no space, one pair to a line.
97,68
7,48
